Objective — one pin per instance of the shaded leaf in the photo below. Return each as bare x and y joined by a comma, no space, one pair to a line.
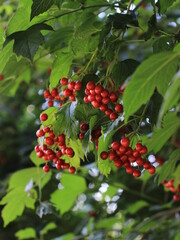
156,71
40,6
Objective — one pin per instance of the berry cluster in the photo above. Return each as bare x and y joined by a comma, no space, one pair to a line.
67,89
53,148
94,135
123,155
101,98
170,185
1,77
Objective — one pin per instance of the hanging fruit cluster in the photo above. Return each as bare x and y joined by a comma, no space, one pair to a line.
170,186
55,148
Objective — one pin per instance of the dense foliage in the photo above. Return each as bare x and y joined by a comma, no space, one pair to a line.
104,78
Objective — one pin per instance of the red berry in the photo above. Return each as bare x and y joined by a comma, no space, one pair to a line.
119,108
58,165
91,98
176,197
103,107
78,86
108,112
115,146
84,127
46,168
72,98
105,100
1,77
112,155
143,150
131,159
136,154
72,170
57,98
71,85
96,104
113,97
92,92
98,97
58,153
105,93
46,129
46,94
124,158
43,117
136,173
147,165
126,164
130,170
65,166
125,142
139,161
160,160
118,163
81,136
64,81
36,148
90,85
40,154
70,152
98,89
61,139
122,149
40,133
113,116
87,91
104,155
67,92
86,99
139,146
152,170
50,103
54,92
49,141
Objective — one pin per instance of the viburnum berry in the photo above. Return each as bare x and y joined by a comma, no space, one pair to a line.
67,92
143,150
54,92
40,133
113,116
90,85
103,107
71,85
36,148
40,154
49,141
118,163
65,165
105,100
152,170
105,93
81,136
50,103
43,117
119,108
61,139
78,86
136,154
125,142
130,170
58,165
115,146
64,81
69,151
138,146
147,165
46,129
91,98
136,173
112,155
113,97
108,112
139,161
72,98
98,97
92,92
46,168
176,197
1,77
46,94
86,99
84,127
98,89
72,170
96,104
104,155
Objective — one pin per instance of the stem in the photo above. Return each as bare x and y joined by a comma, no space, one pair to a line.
91,59
129,5
138,5
165,33
79,9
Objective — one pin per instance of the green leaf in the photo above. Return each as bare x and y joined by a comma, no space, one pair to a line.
123,70
135,207
164,5
51,112
61,67
65,198
16,200
176,176
40,6
172,92
163,43
120,21
37,161
169,167
25,233
5,55
160,136
66,122
22,177
108,223
156,71
82,40
26,42
50,226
